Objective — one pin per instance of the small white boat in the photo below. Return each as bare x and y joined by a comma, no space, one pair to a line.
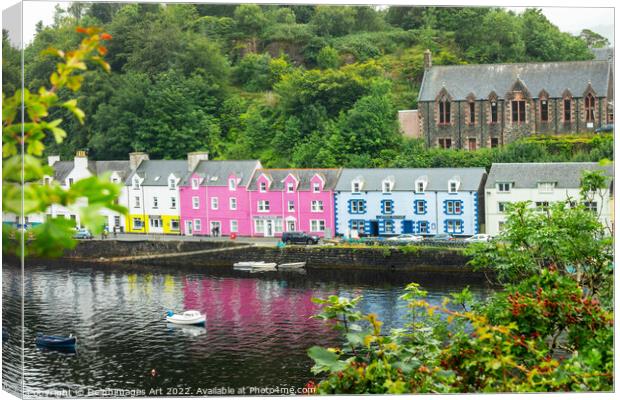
254,265
189,317
293,265
244,264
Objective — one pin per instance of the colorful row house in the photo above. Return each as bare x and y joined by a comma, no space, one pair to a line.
288,200
214,198
392,201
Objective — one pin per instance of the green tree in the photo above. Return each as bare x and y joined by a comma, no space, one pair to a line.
333,20
593,39
11,65
327,58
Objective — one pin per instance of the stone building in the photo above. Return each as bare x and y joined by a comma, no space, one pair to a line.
489,105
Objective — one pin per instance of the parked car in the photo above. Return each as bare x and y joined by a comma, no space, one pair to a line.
83,233
442,237
406,237
480,237
605,128
299,238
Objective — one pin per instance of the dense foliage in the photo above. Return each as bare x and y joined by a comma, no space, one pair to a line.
549,329
291,85
23,170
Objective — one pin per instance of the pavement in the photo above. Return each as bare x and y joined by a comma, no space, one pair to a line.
257,241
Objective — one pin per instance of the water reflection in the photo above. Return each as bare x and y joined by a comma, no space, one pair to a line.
257,332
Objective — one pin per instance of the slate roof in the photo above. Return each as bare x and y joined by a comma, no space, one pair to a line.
121,167
404,178
482,79
61,170
528,175
156,172
603,53
304,176
217,172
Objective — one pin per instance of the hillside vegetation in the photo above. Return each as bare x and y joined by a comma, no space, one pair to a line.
291,85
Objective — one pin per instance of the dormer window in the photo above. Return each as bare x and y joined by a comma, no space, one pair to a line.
546,187
356,186
316,187
263,187
387,186
136,183
453,186
47,181
172,183
194,183
232,184
290,187
420,186
503,187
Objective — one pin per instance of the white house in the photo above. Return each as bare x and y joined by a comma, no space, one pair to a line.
541,184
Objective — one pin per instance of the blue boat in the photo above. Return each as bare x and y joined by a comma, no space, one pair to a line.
56,342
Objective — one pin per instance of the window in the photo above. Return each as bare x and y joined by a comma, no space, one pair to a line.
232,203
589,107
389,226
454,207
454,226
263,205
546,187
115,180
419,187
290,187
591,206
420,206
263,187
501,206
197,225
423,227
259,226
291,205
215,203
316,206
472,113
494,142
357,206
155,202
137,223
387,187
493,112
445,143
234,226
232,184
174,224
503,187
47,181
172,183
194,183
356,187
444,111
471,144
388,206
317,225
117,221
501,226
316,187
544,111
173,202
358,225
542,205
136,183
567,110
518,111
155,222
195,202
277,225
137,202
453,186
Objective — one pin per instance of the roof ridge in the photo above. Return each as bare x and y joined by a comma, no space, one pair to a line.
520,63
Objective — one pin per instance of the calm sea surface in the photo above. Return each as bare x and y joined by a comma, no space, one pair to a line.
257,333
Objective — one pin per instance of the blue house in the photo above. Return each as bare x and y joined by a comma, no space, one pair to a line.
391,201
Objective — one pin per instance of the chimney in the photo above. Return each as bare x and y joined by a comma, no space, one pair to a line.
428,60
80,161
136,158
194,158
51,160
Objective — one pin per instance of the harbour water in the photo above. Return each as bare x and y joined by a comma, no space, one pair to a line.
256,337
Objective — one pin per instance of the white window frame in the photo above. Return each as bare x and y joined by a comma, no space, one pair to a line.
356,187
502,185
259,226
195,183
172,183
262,187
215,203
453,187
290,205
316,187
232,203
315,225
232,184
197,225
317,206
390,209
136,183
155,202
391,224
137,202
546,187
420,186
195,202
173,202
234,226
419,204
263,206
290,187
172,223
386,186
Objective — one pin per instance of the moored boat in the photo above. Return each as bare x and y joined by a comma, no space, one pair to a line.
190,317
254,266
56,342
293,265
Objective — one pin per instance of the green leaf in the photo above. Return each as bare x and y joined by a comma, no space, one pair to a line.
326,360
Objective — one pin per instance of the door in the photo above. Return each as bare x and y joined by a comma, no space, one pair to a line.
407,226
290,226
216,228
188,227
374,228
269,228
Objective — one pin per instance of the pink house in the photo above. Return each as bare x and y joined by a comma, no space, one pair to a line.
214,200
285,200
